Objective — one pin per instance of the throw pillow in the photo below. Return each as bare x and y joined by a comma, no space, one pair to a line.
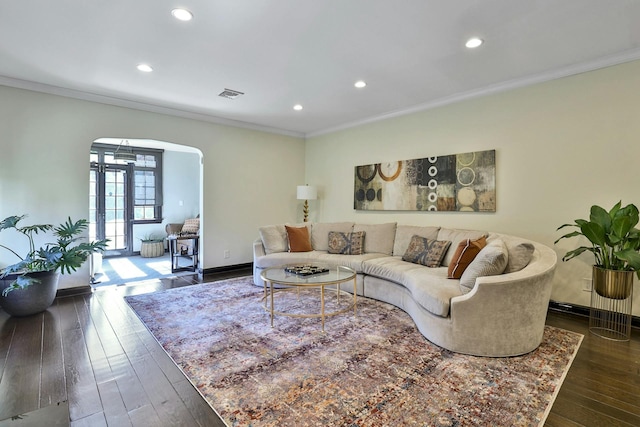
346,243
491,261
456,236
274,238
466,252
426,251
404,233
320,233
299,239
190,226
520,254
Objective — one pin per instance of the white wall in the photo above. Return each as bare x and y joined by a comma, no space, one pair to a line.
181,186
560,147
249,176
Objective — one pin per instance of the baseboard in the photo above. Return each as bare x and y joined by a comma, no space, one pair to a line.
581,310
228,268
72,292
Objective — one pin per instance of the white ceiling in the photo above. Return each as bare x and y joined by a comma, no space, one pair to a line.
282,52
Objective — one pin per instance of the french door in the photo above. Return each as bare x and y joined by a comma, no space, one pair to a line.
110,216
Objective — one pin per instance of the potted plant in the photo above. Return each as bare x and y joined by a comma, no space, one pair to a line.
615,244
152,246
29,286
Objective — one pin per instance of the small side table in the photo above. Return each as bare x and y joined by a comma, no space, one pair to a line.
175,254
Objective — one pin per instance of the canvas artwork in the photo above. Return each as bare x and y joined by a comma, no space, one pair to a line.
458,182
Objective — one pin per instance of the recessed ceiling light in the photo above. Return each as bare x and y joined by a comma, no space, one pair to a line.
473,42
145,68
297,107
182,14
360,84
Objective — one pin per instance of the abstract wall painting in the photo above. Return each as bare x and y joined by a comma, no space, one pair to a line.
459,182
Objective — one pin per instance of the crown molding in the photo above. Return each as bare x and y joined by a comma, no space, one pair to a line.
136,105
604,62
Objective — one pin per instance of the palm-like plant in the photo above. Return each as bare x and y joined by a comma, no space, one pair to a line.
615,240
67,254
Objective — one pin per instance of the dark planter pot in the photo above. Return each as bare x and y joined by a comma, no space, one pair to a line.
613,284
33,299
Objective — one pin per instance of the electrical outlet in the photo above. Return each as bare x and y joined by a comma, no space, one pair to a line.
586,284
227,253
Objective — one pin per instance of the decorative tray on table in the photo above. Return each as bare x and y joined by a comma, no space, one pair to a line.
305,270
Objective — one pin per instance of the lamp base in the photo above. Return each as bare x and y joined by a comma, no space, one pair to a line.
305,210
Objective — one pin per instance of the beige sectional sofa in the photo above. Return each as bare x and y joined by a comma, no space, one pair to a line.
497,308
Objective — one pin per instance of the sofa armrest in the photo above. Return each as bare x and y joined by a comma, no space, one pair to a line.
508,308
258,249
173,228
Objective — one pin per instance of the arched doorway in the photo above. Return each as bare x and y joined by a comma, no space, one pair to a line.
132,199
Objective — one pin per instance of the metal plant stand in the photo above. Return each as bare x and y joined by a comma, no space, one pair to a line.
611,317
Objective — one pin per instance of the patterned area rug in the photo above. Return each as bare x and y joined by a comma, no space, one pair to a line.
374,369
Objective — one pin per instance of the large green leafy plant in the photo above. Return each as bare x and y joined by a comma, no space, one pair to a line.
67,253
615,240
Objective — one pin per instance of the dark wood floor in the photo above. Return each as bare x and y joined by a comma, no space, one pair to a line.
93,354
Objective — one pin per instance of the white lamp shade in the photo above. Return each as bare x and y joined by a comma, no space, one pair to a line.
307,192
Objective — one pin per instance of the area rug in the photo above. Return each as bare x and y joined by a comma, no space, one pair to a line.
371,369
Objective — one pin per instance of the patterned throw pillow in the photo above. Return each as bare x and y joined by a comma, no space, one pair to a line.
346,243
191,226
426,251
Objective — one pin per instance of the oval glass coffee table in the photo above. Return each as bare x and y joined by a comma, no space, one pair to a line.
296,277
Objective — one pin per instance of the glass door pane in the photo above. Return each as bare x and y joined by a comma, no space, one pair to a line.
109,207
93,204
115,209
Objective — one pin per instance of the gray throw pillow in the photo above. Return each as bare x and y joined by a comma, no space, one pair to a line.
491,261
520,254
346,243
426,251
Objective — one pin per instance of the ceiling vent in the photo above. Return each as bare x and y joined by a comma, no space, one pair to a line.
230,94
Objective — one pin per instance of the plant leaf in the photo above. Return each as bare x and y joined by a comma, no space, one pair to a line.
632,257
594,232
10,222
601,217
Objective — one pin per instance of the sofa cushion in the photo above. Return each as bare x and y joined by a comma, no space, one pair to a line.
274,238
346,243
465,253
404,233
379,238
282,258
389,268
298,239
320,233
426,251
491,261
431,288
354,262
455,236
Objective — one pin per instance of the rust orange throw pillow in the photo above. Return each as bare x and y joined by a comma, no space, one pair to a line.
299,239
465,253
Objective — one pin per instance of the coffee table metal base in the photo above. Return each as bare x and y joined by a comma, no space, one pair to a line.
270,291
